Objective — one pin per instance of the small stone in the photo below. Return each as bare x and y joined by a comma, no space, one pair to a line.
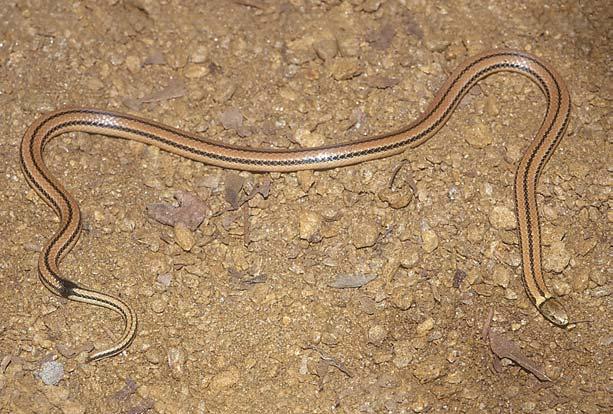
557,258
395,198
560,287
225,379
199,54
501,276
528,407
51,372
326,49
428,370
479,136
403,354
425,327
306,179
184,237
580,280
231,119
133,63
402,297
410,259
72,407
377,334
348,45
165,279
454,377
309,139
176,361
224,91
502,217
429,240
371,6
345,68
195,71
309,224
364,233
158,305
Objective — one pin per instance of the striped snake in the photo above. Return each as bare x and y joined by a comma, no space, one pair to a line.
191,146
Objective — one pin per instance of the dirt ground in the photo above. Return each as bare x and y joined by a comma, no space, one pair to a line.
245,314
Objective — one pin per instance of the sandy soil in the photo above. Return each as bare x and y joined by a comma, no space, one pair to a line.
241,315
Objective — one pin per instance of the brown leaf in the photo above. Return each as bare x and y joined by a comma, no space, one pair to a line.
126,391
191,211
351,281
381,82
233,184
382,39
174,89
458,278
155,58
232,119
504,348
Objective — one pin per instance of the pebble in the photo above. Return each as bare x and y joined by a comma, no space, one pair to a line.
195,71
377,334
364,232
348,45
306,179
158,305
501,276
428,370
51,372
224,91
402,297
176,361
326,48
309,225
429,240
309,139
184,237
502,217
225,379
395,198
200,54
231,118
371,6
557,258
425,327
409,259
479,136
345,68
165,279
403,354
580,280
72,407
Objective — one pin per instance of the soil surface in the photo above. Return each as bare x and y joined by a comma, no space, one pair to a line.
364,289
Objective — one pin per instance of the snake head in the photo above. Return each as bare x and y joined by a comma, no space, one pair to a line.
554,312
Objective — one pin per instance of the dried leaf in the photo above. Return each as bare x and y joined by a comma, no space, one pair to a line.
382,39
142,408
351,281
458,278
174,89
191,211
155,58
504,348
381,82
233,184
232,119
256,4
126,391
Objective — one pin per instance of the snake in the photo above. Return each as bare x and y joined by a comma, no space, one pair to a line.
244,158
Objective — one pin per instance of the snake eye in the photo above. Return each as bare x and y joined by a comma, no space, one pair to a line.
554,312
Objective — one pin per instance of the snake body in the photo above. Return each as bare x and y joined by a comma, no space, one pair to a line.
215,153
